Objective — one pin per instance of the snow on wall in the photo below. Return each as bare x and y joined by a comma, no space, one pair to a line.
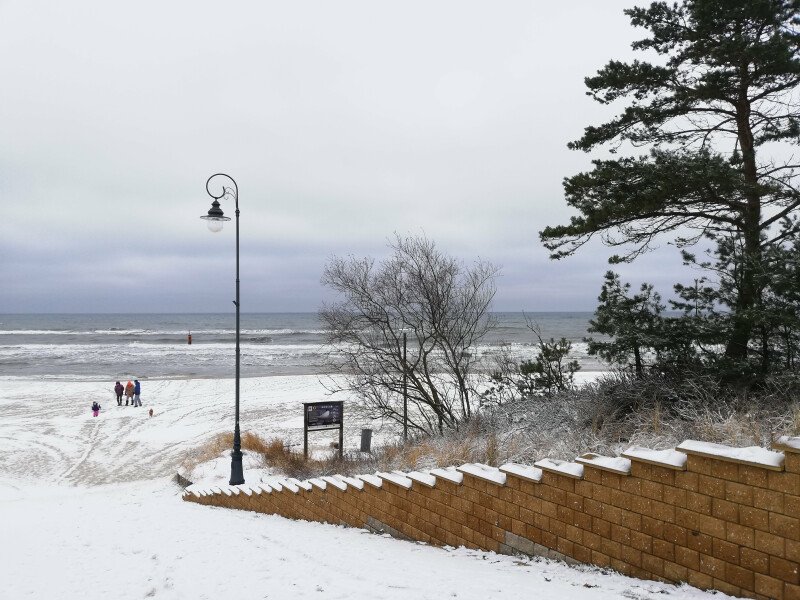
719,520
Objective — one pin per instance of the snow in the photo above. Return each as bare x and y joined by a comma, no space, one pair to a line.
351,481
373,480
752,455
615,464
397,479
335,482
88,510
424,478
485,472
790,443
665,458
523,471
562,467
449,473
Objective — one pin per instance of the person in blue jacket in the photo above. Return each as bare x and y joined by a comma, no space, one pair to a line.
137,389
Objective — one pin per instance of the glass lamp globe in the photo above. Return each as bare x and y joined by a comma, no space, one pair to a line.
215,225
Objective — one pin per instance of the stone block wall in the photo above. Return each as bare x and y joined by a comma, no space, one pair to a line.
715,517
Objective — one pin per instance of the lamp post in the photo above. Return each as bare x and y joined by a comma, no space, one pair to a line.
215,219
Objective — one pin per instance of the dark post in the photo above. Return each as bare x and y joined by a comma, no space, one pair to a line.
215,218
341,439
305,432
405,391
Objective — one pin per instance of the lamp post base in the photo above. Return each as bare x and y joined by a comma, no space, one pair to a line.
237,472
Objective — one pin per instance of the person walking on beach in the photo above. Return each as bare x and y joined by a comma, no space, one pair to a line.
128,392
137,389
118,390
95,409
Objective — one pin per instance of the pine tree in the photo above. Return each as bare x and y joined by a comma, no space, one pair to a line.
712,108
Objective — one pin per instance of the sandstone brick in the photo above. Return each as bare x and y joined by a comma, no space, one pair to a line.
584,488
788,527
792,550
688,558
641,505
675,572
700,580
781,481
687,480
565,546
712,486
686,518
784,570
738,534
632,556
754,517
754,560
712,566
664,550
699,464
601,494
564,514
621,534
674,496
592,540
610,480
582,553
612,514
791,505
600,559
558,528
652,527
753,476
712,526
641,541
791,592
612,548
725,551
548,539
631,520
631,485
727,588
582,520
700,542
768,586
722,509
652,490
769,500
739,493
593,476
593,508
663,512
574,534
675,534
601,527
792,462
653,564
663,475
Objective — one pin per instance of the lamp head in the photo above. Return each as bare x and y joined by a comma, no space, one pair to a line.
215,218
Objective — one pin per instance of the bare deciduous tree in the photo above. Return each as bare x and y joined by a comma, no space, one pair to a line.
439,303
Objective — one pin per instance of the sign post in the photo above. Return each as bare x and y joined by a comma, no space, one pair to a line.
320,416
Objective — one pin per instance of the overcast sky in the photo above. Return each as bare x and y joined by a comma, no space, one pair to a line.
342,122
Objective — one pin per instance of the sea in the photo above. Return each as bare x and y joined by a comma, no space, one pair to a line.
155,346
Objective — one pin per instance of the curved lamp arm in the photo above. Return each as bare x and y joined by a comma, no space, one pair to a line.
215,217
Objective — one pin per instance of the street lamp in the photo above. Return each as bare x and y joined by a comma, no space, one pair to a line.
215,219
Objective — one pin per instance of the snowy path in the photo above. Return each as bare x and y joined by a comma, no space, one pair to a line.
139,540
53,436
65,535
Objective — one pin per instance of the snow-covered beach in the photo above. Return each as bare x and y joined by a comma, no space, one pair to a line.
88,509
